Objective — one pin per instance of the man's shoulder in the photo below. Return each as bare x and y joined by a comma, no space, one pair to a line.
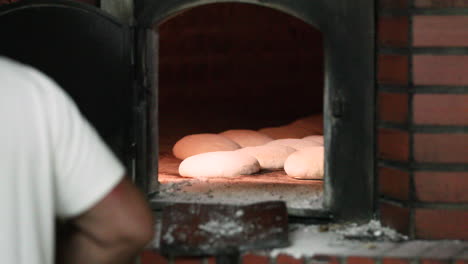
9,66
27,82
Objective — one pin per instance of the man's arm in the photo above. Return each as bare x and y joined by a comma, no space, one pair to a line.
112,231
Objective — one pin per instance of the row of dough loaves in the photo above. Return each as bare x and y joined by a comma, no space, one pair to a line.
240,138
239,152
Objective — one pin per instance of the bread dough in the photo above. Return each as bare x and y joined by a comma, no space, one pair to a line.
298,129
288,131
218,164
294,143
270,157
312,124
246,138
315,138
200,143
307,163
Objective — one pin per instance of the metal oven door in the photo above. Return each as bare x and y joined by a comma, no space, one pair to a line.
89,54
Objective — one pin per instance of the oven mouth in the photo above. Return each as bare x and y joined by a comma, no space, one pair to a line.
220,70
348,93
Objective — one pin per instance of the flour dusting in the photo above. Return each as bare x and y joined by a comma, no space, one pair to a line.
168,237
334,239
372,231
218,228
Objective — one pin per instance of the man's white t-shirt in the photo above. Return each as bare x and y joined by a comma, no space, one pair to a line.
52,164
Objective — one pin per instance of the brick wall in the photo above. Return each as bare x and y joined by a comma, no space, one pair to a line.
423,117
414,252
240,60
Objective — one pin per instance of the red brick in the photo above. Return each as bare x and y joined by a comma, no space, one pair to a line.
255,259
393,31
440,3
440,69
393,107
450,148
448,187
359,260
223,44
461,261
447,31
393,144
210,260
395,261
286,259
152,257
395,216
324,259
441,109
393,4
394,183
3,2
392,69
441,224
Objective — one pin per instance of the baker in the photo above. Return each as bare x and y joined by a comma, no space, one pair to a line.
53,165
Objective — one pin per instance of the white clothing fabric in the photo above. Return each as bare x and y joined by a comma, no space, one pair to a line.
52,164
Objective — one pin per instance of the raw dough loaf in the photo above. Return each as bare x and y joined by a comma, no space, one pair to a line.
246,138
294,143
270,157
315,138
218,164
312,124
200,143
285,132
307,163
297,129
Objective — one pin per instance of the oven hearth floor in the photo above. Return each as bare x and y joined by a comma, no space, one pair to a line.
303,197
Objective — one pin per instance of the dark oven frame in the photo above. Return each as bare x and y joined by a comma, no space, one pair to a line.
349,103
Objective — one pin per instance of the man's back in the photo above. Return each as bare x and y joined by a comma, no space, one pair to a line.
52,164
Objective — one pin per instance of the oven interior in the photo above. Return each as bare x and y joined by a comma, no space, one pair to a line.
236,66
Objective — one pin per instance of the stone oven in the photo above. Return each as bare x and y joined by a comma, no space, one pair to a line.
239,65
296,67
178,75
